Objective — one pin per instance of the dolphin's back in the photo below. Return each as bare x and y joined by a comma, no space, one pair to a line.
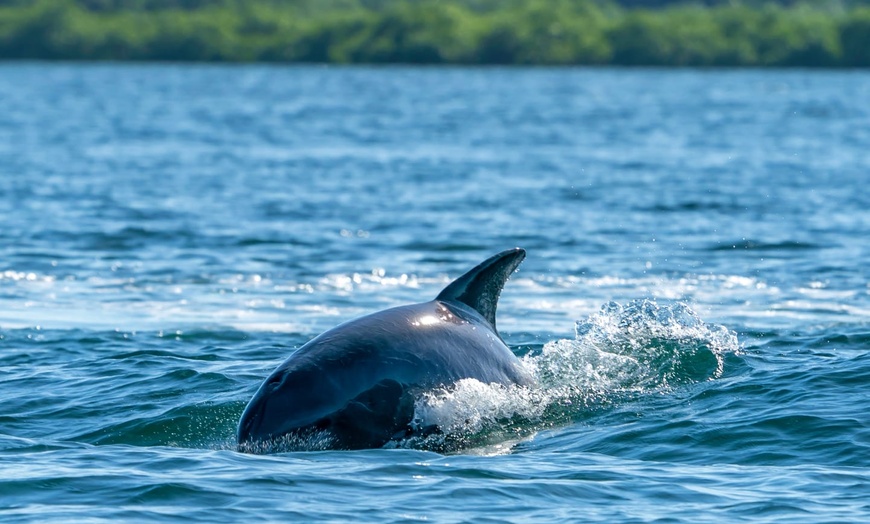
421,345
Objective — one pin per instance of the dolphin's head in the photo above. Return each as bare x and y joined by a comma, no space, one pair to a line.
330,394
290,401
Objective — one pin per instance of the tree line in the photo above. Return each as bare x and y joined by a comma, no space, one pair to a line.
535,32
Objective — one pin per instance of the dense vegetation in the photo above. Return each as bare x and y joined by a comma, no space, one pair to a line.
822,34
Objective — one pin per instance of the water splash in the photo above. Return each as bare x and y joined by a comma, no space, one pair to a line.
617,353
640,346
307,440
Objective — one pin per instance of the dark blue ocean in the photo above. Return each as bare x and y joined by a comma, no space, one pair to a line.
695,304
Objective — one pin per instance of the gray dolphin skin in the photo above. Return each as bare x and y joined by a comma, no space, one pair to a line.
358,381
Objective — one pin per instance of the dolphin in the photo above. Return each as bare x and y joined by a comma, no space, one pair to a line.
357,382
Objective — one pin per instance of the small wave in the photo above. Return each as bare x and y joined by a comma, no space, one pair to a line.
206,424
757,245
693,206
617,353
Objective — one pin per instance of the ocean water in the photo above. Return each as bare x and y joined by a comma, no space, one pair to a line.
695,304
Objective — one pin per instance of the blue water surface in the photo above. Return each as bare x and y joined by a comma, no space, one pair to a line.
695,303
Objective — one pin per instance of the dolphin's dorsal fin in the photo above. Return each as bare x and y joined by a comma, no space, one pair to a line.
481,287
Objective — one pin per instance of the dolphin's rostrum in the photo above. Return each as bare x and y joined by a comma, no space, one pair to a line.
357,382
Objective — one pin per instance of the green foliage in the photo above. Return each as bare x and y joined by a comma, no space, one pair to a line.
728,36
855,39
547,32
